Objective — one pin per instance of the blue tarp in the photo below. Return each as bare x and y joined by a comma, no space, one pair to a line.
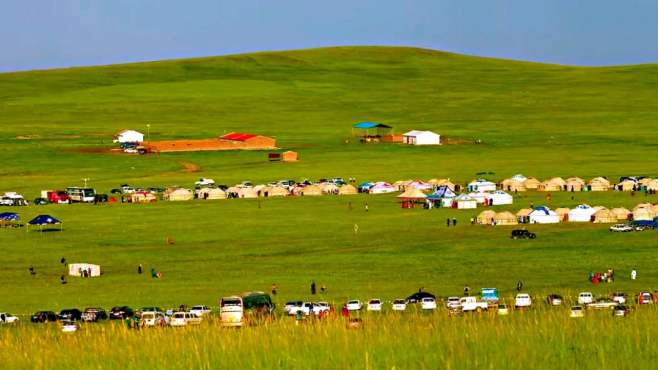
44,220
367,125
9,216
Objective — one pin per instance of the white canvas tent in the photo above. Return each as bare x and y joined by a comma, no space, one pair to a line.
543,215
129,136
500,197
416,137
481,185
465,202
582,213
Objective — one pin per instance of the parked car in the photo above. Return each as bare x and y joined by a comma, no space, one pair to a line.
428,303
69,314
374,305
399,305
58,197
354,305
469,304
645,298
522,301
602,304
503,310
585,298
7,318
554,300
418,296
121,312
184,319
619,297
292,307
621,228
43,316
522,234
94,314
621,311
577,311
154,318
200,310
69,326
231,311
452,302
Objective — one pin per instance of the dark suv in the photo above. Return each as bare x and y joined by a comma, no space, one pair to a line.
522,234
94,314
44,316
70,314
121,312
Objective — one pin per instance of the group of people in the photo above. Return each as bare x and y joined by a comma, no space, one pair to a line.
605,277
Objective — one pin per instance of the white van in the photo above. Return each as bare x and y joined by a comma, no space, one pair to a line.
231,311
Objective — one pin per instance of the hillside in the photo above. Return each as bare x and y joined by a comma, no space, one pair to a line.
542,120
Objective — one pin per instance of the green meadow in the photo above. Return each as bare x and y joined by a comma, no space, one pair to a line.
541,120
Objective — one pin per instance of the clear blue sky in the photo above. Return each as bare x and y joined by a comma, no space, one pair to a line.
58,33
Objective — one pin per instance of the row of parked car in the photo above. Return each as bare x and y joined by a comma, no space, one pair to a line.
149,316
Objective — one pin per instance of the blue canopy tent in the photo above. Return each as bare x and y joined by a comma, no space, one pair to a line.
371,130
45,220
9,219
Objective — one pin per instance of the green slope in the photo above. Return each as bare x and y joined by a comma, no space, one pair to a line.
543,120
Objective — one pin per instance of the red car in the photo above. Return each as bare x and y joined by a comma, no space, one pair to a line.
645,298
58,197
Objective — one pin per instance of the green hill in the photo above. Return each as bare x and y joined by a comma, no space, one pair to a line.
542,120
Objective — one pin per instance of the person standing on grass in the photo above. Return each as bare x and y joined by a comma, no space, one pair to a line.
344,311
466,290
274,289
454,221
633,274
313,291
139,269
448,222
519,285
366,207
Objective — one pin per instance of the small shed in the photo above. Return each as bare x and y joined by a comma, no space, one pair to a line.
505,218
416,137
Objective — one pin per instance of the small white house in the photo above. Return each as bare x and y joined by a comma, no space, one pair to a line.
416,137
543,215
465,202
481,185
582,213
129,136
500,197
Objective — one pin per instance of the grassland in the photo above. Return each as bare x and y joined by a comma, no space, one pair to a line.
540,120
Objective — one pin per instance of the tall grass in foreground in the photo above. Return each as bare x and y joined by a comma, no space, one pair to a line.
535,339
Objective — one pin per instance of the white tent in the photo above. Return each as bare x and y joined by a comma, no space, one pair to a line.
465,202
481,198
500,197
129,136
79,269
481,185
382,188
582,213
416,137
543,215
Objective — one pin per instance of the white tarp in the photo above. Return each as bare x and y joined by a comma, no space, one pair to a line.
78,269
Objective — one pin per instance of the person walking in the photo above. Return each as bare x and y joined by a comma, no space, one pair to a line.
139,269
633,274
366,207
313,291
466,290
519,285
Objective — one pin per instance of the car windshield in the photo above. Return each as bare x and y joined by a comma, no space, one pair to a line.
375,301
353,302
398,301
230,302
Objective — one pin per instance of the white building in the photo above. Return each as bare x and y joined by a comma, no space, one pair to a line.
129,136
416,137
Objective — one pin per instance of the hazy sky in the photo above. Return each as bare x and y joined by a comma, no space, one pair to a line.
56,33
